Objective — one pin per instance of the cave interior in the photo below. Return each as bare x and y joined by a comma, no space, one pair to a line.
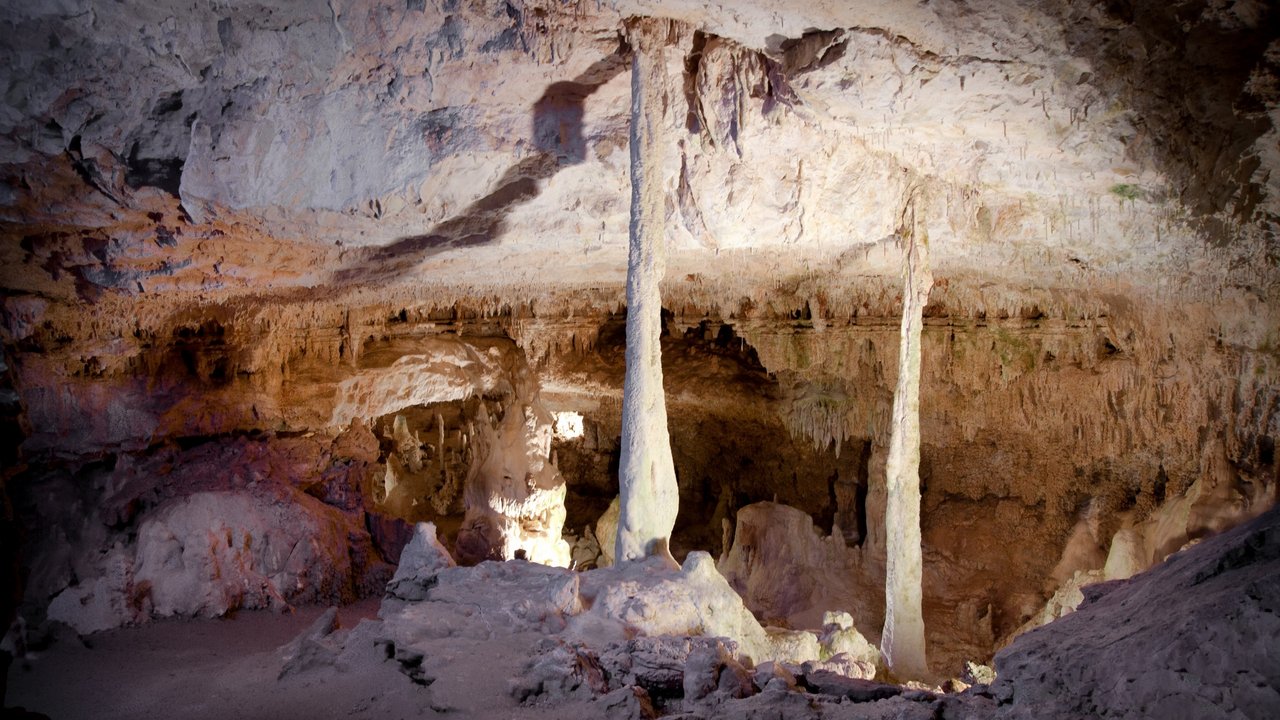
310,307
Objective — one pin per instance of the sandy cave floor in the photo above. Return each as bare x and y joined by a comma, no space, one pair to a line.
228,667
177,667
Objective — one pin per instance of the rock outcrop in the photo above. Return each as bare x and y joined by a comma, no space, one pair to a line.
417,566
786,571
210,553
1193,637
1157,643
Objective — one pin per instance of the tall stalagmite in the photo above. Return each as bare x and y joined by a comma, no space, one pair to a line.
646,472
903,639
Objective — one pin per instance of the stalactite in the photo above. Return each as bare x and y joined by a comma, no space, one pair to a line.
440,444
646,474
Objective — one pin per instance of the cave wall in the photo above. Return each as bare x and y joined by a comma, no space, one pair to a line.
367,156
1038,419
180,429
1058,424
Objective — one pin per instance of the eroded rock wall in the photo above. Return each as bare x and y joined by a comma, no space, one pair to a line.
1062,430
287,414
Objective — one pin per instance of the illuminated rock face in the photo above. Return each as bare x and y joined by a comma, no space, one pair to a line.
214,552
515,497
380,143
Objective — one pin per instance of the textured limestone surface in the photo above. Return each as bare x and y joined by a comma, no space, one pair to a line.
211,553
330,251
784,568
903,639
389,141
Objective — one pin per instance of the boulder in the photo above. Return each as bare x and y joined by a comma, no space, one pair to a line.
310,650
561,672
840,637
1194,637
711,672
628,703
858,690
211,552
841,664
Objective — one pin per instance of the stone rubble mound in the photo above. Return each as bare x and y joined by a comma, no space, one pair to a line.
1194,637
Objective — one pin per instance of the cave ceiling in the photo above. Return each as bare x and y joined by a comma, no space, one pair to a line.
188,152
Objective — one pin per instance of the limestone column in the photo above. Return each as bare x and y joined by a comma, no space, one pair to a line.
903,639
646,472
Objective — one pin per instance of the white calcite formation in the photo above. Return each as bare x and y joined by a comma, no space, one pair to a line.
514,497
903,639
649,496
512,493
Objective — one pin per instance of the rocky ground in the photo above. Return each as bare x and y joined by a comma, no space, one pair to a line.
1194,637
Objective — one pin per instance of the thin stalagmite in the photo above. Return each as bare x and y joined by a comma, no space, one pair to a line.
903,638
646,472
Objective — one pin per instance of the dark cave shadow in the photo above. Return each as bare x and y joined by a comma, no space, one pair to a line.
558,137
1186,74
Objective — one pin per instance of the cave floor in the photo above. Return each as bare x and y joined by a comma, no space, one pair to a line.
169,668
228,668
